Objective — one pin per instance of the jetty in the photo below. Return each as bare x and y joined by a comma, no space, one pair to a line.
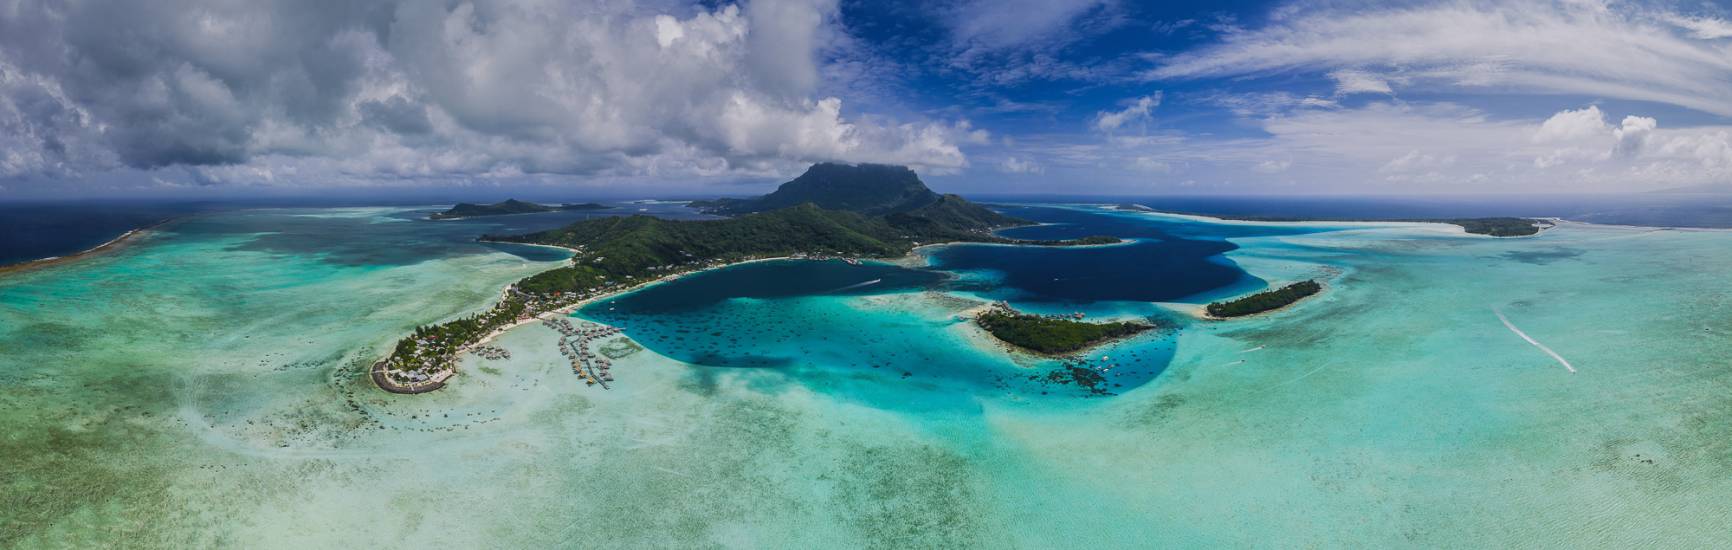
574,344
491,352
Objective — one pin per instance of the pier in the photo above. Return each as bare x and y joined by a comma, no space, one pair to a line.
491,352
574,345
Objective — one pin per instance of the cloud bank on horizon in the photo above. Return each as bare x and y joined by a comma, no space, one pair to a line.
1011,96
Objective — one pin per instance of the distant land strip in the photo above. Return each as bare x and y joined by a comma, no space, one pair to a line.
112,245
1497,226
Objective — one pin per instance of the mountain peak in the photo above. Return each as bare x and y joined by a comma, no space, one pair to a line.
871,189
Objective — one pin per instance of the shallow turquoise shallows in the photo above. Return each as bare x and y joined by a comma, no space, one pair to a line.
204,388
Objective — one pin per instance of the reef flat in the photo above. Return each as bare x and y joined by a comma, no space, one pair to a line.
207,387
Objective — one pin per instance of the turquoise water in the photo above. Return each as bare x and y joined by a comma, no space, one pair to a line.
882,334
1167,260
204,389
832,321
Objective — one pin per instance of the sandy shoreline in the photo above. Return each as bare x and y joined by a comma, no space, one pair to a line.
917,257
567,310
1298,223
117,243
984,340
376,372
906,260
1201,311
1367,224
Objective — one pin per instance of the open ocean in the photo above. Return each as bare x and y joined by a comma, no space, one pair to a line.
33,231
36,230
1649,209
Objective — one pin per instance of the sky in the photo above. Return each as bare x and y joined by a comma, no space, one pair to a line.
663,98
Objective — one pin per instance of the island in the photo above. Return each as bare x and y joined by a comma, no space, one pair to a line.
820,215
1267,300
1051,334
1500,227
1091,240
508,207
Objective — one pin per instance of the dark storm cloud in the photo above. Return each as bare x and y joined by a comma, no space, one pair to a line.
189,83
397,115
359,89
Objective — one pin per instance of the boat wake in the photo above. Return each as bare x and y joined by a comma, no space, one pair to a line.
858,285
1530,340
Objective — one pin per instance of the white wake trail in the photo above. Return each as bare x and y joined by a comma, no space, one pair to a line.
858,285
1531,340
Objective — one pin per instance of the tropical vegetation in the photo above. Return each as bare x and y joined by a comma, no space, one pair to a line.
617,252
1265,301
1051,335
509,206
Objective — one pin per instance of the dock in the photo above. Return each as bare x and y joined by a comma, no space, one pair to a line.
574,345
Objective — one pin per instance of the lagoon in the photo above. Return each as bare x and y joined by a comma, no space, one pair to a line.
205,388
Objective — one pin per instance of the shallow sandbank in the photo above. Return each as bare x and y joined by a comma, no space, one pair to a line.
117,243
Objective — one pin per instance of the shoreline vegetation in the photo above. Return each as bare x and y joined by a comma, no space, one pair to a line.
1488,226
1052,335
1265,301
114,244
617,254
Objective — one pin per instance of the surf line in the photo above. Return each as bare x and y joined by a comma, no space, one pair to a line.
1531,340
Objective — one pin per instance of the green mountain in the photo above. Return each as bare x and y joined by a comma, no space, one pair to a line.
616,248
632,244
863,188
869,189
510,206
951,213
866,210
612,253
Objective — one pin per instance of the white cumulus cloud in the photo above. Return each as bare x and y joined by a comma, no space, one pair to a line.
1140,109
1572,125
1632,135
273,91
1016,165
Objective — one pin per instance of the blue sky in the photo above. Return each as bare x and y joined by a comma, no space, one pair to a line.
611,97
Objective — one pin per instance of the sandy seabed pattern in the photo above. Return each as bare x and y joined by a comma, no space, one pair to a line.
193,391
